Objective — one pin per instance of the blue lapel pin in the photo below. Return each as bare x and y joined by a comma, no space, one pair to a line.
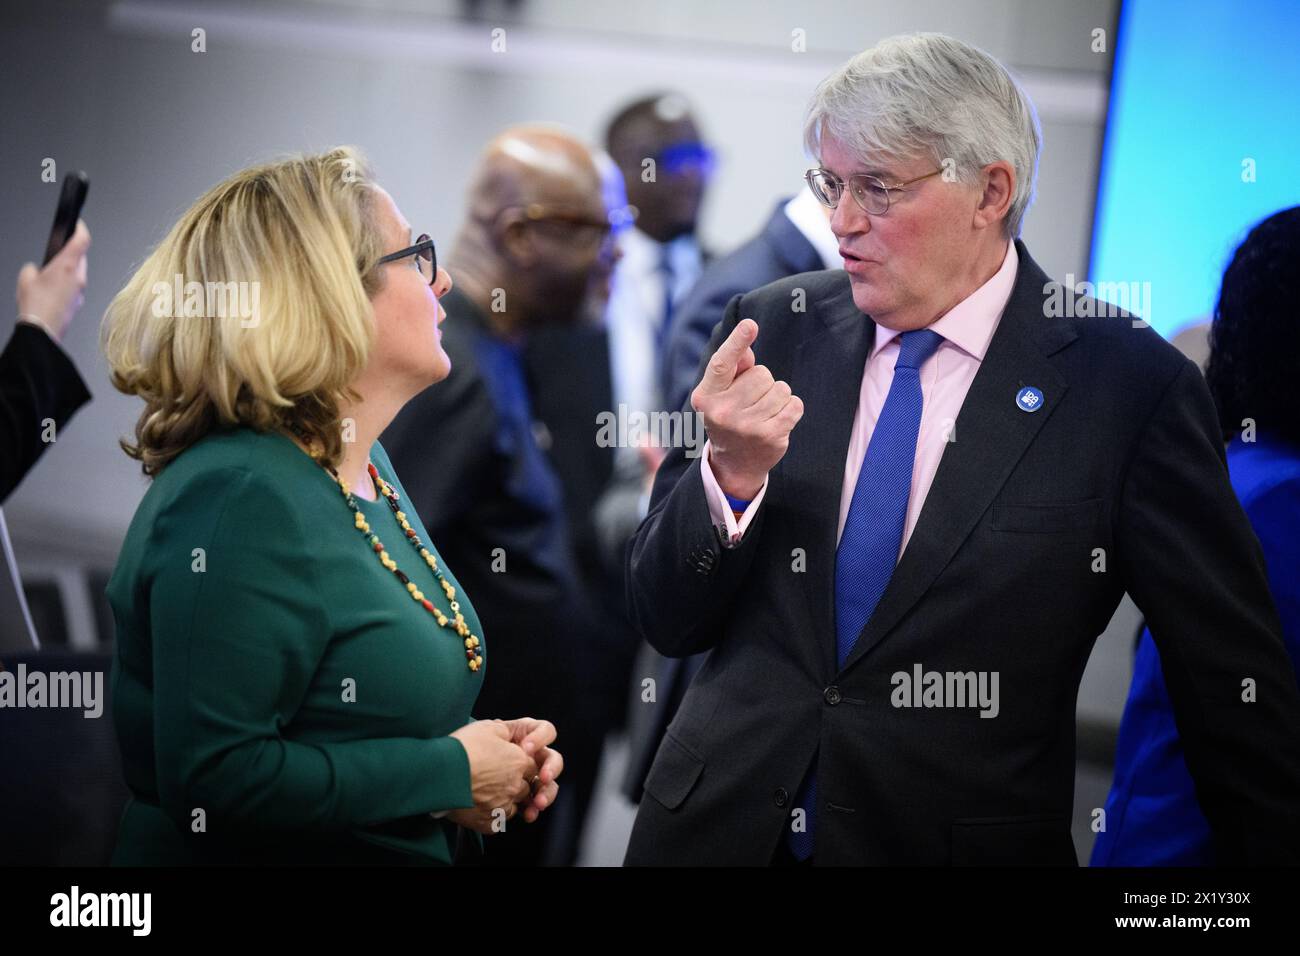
1029,399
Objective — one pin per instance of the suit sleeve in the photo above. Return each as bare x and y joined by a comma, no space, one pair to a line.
37,382
1193,565
681,582
235,648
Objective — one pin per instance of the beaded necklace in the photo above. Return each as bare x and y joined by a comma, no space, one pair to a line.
473,658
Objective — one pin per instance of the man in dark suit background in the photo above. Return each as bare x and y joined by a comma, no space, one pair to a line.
534,248
927,483
796,238
39,385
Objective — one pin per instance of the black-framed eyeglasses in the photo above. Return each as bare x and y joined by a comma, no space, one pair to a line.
870,192
426,257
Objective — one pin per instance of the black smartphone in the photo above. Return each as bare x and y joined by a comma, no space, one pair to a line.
71,199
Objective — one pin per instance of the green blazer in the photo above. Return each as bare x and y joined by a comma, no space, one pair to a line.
278,695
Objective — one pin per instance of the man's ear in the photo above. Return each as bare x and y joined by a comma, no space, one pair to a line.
516,242
998,181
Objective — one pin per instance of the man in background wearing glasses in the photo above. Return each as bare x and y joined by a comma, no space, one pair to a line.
923,494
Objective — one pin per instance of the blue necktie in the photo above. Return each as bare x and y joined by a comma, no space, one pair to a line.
873,529
664,329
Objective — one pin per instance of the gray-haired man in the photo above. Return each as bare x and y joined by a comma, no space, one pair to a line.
924,492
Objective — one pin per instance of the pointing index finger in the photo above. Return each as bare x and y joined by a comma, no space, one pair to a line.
726,360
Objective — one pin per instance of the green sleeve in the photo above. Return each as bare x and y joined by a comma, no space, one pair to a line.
234,649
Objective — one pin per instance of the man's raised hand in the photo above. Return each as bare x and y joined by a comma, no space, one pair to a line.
747,414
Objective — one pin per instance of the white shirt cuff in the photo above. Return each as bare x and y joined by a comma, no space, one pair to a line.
719,510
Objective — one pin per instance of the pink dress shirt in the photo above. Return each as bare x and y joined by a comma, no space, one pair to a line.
967,329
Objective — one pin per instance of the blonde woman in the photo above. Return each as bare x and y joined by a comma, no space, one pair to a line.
295,667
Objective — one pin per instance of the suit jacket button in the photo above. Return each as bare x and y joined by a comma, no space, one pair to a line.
781,797
700,560
832,695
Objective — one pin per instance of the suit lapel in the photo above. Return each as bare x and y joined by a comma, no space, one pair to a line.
992,434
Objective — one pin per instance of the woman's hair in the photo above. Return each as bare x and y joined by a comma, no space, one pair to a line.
253,311
1255,337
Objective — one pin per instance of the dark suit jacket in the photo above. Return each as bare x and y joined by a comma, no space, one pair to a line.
570,385
1000,575
37,381
779,250
466,451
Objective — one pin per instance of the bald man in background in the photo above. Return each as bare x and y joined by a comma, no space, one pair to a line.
533,250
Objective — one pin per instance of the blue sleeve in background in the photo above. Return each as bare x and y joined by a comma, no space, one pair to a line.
1152,815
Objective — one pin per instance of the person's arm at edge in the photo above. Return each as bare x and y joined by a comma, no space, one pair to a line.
1193,565
39,385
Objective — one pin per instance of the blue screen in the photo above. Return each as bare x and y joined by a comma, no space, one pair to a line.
1202,141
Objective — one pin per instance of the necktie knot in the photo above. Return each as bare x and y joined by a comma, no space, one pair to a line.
917,346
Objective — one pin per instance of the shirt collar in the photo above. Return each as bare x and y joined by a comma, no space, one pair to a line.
644,256
970,323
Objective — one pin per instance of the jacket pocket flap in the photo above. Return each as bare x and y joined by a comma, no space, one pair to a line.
1053,516
673,773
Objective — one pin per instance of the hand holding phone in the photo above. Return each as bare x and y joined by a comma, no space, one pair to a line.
50,296
71,199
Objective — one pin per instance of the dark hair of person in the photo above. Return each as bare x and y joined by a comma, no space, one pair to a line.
1254,370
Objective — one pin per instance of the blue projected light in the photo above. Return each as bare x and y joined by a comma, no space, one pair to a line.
1202,142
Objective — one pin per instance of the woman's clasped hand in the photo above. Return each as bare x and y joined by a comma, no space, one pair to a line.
513,769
